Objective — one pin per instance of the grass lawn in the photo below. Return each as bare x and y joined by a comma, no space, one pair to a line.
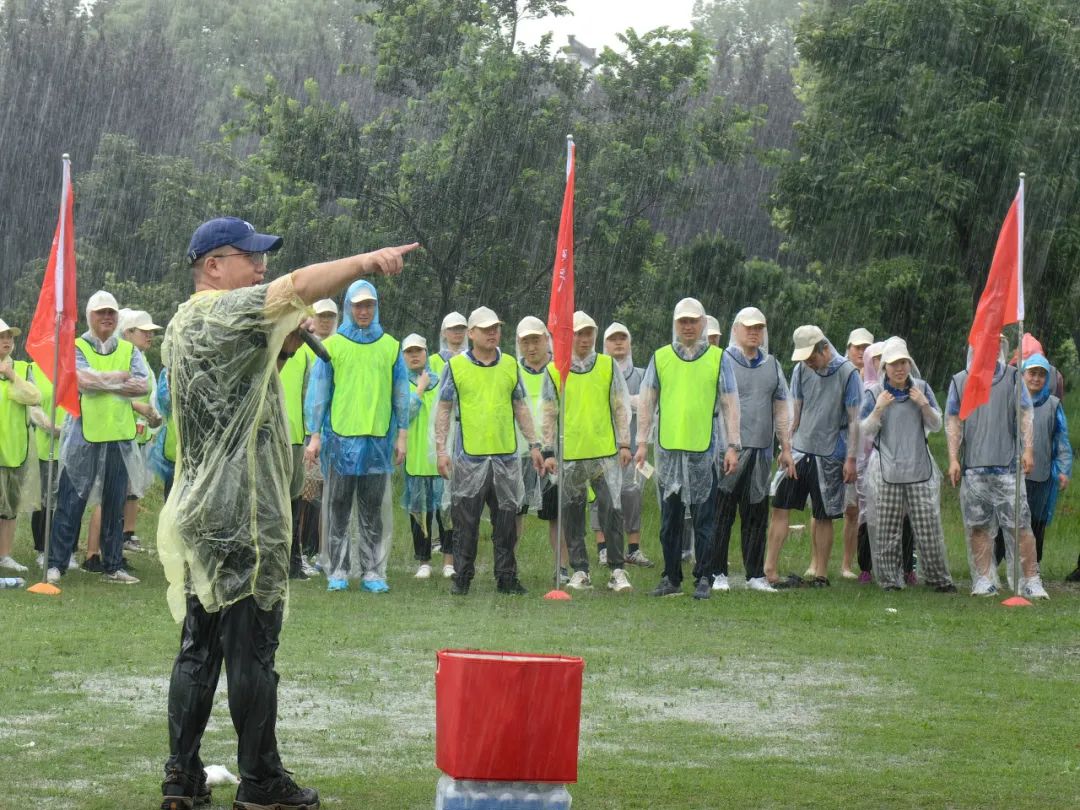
810,698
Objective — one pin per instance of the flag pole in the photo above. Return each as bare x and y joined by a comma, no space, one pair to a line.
1019,383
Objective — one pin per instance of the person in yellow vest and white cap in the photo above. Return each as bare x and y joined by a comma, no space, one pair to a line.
686,383
453,340
326,318
19,487
100,460
595,451
857,343
483,387
294,374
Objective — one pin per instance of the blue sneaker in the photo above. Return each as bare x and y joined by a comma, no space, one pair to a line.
337,585
375,585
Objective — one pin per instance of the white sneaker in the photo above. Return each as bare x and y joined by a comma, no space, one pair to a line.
9,562
983,586
619,581
603,556
448,571
73,564
133,544
760,584
120,577
423,572
720,583
40,559
579,581
308,569
52,576
1032,588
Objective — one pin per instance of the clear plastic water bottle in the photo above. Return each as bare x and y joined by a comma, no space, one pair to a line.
11,582
558,798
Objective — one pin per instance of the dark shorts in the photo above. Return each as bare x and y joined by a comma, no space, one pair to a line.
549,495
791,493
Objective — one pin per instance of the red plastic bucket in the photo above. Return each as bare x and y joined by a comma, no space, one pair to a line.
507,716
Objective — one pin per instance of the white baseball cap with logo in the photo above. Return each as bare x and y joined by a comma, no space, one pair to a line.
750,316
15,331
689,308
482,318
102,300
136,319
414,341
616,328
530,325
453,319
583,321
324,305
806,338
860,337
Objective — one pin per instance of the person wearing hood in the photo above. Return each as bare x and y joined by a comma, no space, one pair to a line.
857,343
452,340
423,484
685,383
986,474
764,417
19,486
100,461
902,479
1054,380
1053,453
619,347
482,387
595,451
712,330
357,409
826,391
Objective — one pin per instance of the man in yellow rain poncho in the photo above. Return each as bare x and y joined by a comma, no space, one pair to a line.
225,532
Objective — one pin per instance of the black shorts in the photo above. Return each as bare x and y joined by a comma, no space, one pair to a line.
791,493
549,503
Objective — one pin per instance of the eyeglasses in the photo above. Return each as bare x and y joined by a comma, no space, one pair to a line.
256,258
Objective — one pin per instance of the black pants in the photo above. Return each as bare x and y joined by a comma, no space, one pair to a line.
907,547
703,517
1038,528
465,514
37,519
306,515
752,531
246,639
574,515
421,535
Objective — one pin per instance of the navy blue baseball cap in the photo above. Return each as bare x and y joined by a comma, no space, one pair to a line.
230,231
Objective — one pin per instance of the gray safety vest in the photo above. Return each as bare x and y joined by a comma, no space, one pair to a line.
901,442
1044,439
987,442
757,387
823,414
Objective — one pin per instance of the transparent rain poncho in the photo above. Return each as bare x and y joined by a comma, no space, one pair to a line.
358,505
871,375
423,494
84,461
1056,449
445,352
576,475
780,409
158,464
689,474
533,380
632,376
20,487
225,531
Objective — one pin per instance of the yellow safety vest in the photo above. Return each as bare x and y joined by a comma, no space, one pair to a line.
14,421
41,437
363,385
590,426
107,417
485,404
293,380
437,363
419,459
687,398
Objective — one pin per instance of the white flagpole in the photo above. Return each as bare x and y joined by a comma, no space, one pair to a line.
1016,567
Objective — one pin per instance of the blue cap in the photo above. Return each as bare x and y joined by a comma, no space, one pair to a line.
1037,361
230,231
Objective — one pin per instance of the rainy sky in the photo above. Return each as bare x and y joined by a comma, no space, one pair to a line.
595,22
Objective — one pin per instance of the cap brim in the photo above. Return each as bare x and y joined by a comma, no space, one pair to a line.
15,331
801,354
485,324
364,296
148,327
751,322
529,332
104,306
259,243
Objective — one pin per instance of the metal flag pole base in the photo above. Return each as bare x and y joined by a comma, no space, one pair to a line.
1016,601
44,589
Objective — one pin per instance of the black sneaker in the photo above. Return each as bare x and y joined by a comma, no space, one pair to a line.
703,589
280,793
182,792
511,585
791,581
1074,576
665,588
459,587
93,564
297,573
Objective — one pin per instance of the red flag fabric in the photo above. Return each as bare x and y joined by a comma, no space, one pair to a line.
560,320
999,305
58,300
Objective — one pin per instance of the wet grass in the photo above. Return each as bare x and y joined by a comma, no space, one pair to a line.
809,698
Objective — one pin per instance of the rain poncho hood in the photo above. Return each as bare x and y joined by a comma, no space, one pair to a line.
348,328
1037,360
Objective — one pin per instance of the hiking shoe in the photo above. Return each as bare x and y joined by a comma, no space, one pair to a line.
120,577
820,582
337,584
459,587
602,556
513,586
848,574
983,587
183,792
374,585
666,588
10,563
865,577
423,572
911,578
580,581
52,576
1074,576
93,564
1032,588
618,582
947,587
720,583
448,571
636,557
703,590
279,793
760,584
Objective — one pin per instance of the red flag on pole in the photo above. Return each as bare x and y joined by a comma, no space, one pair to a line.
560,320
1001,303
56,314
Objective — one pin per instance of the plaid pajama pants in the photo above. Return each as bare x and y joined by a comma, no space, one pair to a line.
886,505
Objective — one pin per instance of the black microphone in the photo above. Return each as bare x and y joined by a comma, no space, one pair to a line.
315,345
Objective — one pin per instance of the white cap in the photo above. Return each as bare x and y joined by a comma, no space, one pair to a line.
750,316
413,341
136,319
15,331
325,305
689,308
365,293
713,327
895,349
583,321
482,317
806,338
530,325
101,300
452,320
616,328
860,337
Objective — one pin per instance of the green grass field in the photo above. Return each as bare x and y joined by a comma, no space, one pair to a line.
809,698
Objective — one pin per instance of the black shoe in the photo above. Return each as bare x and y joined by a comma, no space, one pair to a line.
511,585
459,587
703,589
280,793
1074,576
125,563
946,588
93,564
665,588
296,573
792,581
182,792
820,582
